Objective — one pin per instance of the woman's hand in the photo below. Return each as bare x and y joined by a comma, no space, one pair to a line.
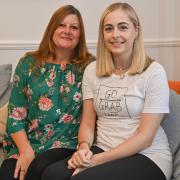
23,162
78,170
94,162
80,159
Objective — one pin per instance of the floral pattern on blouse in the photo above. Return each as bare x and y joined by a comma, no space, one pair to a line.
45,104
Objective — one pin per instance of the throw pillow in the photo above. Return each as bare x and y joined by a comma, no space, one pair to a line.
3,119
5,86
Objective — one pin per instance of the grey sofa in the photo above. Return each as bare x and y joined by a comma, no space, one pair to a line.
171,122
171,125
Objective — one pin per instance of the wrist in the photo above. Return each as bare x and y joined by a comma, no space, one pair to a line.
83,144
97,159
26,149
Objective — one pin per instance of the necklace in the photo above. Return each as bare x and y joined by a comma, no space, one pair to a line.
121,75
121,68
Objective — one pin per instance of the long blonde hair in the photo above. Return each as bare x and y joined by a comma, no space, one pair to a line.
105,65
46,48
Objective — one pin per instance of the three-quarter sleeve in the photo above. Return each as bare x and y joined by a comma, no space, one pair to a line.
17,110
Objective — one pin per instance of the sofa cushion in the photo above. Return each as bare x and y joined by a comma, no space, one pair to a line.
3,119
171,122
176,172
171,125
5,86
175,85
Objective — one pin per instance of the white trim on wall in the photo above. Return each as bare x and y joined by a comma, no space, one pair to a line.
32,45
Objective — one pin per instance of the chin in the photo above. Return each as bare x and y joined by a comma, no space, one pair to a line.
117,52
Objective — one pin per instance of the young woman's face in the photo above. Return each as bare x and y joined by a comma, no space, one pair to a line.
119,33
67,34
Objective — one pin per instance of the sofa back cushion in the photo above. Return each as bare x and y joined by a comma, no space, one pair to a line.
5,86
171,122
171,125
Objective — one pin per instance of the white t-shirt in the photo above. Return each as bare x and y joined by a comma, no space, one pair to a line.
119,104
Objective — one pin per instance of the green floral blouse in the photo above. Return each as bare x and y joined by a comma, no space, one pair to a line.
46,104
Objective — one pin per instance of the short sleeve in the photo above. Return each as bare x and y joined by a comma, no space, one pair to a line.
17,109
157,92
87,84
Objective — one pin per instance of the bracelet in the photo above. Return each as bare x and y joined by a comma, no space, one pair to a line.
82,143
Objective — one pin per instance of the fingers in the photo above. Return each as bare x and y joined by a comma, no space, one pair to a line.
17,169
19,172
22,174
89,155
78,170
81,158
71,164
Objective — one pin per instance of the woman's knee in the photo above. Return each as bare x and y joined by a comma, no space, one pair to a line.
57,171
7,169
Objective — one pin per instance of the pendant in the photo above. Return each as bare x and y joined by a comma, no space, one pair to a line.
122,76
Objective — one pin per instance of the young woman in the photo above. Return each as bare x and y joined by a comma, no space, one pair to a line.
46,100
125,102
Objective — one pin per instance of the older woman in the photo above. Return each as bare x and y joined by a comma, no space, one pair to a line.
46,100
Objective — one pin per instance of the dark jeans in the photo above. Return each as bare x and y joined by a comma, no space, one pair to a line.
136,167
38,165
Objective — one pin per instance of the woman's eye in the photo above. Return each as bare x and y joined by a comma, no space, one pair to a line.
123,28
74,27
62,25
108,29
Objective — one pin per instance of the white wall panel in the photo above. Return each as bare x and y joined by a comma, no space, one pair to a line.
22,23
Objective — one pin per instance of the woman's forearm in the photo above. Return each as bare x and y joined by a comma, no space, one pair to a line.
87,127
21,141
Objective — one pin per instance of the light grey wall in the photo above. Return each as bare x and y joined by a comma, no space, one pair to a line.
22,23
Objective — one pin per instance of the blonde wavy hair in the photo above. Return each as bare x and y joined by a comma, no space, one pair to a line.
140,61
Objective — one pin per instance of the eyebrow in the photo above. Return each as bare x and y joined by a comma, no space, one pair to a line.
121,23
75,23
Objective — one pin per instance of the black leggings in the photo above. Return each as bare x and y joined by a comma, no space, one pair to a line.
37,166
136,167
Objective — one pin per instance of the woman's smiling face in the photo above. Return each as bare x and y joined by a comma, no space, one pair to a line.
67,34
119,33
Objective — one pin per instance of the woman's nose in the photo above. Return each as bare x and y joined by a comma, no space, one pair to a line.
67,30
116,33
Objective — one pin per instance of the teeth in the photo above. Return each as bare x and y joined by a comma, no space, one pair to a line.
115,43
118,42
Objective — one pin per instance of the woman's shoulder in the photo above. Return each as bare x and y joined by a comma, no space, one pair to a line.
155,67
26,62
91,66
